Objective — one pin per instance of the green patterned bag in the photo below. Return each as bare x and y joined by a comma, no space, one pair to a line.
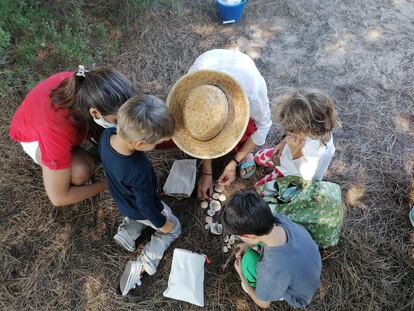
316,205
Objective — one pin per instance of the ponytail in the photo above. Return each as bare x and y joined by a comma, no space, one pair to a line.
102,88
63,96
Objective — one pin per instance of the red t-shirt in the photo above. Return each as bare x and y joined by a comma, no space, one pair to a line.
37,119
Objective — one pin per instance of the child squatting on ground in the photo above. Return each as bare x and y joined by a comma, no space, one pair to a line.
280,261
308,117
143,122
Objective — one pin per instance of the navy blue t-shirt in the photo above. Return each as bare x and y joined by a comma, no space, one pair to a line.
132,182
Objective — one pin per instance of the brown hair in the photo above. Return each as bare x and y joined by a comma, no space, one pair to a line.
103,88
310,112
145,118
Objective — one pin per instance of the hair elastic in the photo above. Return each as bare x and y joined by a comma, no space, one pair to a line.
81,71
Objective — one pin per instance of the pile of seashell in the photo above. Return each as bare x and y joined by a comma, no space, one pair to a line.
213,207
228,242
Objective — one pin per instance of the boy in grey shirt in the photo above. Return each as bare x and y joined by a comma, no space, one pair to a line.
284,263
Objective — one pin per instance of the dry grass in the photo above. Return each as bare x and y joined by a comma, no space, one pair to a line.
361,52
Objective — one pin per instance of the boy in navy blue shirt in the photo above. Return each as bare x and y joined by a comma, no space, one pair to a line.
143,122
285,264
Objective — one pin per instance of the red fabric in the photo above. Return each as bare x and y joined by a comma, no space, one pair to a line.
37,119
251,128
264,158
169,144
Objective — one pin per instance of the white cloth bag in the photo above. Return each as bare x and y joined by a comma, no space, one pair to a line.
186,280
180,182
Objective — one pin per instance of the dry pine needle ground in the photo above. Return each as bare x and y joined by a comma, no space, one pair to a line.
361,52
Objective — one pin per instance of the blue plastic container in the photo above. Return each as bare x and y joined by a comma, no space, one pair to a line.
230,13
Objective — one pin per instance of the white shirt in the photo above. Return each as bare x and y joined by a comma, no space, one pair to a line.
242,68
314,162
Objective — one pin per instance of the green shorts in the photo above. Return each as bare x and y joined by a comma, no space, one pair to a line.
249,266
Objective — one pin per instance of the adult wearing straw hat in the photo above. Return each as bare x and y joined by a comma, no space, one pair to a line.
221,105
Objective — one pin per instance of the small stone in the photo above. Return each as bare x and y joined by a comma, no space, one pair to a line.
207,226
222,197
216,228
219,188
228,245
216,195
232,239
225,249
211,212
209,219
226,239
204,204
215,205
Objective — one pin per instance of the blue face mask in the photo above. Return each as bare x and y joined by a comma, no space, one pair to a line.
105,124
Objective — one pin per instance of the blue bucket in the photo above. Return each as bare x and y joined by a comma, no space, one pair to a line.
230,13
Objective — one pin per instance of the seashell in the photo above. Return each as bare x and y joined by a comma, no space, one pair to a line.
218,188
232,239
225,249
216,228
204,204
211,212
215,205
207,226
222,197
228,245
209,219
216,195
226,239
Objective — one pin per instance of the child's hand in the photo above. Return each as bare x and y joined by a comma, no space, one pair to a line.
168,227
242,248
295,144
277,151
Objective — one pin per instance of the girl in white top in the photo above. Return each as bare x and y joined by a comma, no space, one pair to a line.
308,117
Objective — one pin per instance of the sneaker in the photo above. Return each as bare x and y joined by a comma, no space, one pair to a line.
411,216
123,238
131,277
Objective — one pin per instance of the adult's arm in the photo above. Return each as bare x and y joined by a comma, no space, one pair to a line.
260,112
229,173
61,192
205,183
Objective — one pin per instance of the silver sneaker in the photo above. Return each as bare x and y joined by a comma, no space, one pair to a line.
131,277
123,238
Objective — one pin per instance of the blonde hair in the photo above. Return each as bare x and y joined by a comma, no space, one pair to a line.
310,112
145,118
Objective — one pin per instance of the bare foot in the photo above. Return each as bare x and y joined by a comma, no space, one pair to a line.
248,158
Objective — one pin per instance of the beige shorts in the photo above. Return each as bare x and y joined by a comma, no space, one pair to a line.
31,149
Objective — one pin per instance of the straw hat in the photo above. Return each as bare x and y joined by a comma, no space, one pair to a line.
211,113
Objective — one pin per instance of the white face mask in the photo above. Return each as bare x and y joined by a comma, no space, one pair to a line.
105,124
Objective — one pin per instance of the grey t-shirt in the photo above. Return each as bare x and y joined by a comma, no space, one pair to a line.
291,271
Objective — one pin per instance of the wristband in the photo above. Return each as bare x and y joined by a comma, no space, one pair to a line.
237,162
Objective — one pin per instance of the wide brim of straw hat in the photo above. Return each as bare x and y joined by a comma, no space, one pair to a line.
238,114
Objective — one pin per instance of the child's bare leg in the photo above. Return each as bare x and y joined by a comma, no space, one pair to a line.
83,167
276,160
264,157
